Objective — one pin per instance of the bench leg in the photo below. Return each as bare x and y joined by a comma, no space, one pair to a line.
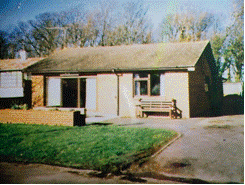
180,114
141,114
174,114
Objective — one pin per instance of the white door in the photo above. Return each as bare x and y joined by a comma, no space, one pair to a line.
107,94
54,92
91,94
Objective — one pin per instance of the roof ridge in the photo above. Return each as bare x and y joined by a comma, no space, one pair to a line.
128,45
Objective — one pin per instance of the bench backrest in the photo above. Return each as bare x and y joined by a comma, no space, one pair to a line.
156,104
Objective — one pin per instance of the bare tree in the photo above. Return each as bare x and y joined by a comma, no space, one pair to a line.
134,22
186,26
103,26
3,45
45,40
106,16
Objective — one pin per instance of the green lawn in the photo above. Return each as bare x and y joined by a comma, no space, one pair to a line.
104,148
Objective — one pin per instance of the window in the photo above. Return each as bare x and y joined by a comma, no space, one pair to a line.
147,84
11,80
207,83
155,84
11,85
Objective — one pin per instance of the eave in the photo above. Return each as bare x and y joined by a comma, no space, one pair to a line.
114,70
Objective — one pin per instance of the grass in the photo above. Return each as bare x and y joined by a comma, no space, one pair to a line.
103,148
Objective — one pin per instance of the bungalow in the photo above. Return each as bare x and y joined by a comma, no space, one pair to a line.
112,80
14,83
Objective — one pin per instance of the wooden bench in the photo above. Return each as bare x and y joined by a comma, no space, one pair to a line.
146,106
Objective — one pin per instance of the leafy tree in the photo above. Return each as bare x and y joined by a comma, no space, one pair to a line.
218,47
234,55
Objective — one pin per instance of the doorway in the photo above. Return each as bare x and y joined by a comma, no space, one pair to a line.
73,92
82,92
69,92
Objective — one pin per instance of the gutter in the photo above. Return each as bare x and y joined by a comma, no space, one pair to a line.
11,70
188,68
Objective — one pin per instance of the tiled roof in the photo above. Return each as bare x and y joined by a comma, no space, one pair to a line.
124,57
17,64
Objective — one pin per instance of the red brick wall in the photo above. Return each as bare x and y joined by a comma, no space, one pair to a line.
37,91
46,117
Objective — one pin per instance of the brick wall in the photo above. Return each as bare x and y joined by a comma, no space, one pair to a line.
50,117
199,101
37,91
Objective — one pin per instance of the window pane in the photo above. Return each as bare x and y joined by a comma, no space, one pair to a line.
137,88
141,88
18,79
207,83
141,75
155,84
11,79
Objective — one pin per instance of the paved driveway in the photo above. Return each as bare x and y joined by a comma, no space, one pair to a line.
210,149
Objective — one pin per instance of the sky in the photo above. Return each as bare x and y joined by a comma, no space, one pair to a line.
14,11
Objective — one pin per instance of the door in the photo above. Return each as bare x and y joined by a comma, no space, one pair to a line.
107,94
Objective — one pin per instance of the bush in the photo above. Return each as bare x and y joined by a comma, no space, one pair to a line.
22,106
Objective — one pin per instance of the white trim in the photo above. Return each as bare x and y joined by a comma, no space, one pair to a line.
162,85
91,94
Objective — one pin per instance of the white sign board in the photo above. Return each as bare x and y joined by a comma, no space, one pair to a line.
11,85
11,92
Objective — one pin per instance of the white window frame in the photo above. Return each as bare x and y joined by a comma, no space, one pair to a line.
137,78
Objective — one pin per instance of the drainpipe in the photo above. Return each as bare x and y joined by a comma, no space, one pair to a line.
118,99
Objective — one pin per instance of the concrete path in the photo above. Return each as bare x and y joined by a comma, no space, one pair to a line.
210,149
